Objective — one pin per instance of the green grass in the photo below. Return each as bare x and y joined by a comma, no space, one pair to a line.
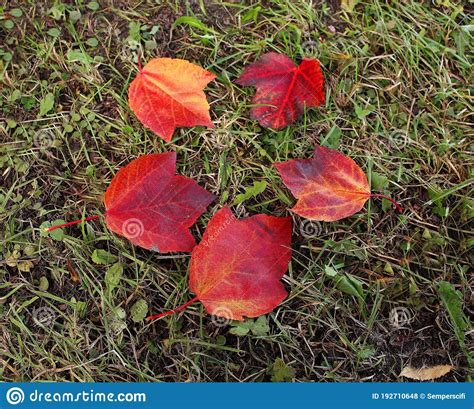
398,102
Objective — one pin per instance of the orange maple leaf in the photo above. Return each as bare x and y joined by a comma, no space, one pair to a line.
168,93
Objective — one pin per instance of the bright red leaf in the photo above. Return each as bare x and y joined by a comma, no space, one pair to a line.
283,89
152,207
168,93
236,269
329,186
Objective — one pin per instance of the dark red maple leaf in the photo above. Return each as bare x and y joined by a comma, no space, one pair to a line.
329,187
283,89
152,207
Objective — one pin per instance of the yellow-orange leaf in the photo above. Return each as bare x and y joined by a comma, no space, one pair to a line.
168,93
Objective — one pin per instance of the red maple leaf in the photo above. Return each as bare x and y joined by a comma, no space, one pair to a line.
236,269
283,89
168,93
152,207
329,186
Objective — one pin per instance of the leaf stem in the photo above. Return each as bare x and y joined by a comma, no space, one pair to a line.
87,219
139,59
177,309
399,208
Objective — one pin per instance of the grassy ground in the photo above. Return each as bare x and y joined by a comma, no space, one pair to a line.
398,103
